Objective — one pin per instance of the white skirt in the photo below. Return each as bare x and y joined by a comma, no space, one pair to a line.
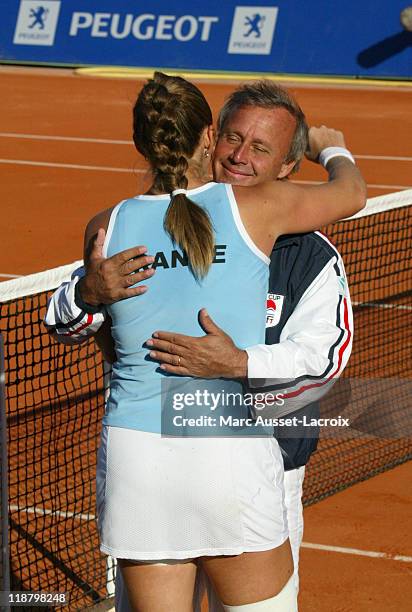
179,498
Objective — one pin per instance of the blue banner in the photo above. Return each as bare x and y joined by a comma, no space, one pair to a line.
286,36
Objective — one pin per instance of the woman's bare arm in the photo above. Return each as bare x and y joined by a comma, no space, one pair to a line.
285,207
312,206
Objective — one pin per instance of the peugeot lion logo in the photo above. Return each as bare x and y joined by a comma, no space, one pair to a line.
255,25
39,15
37,22
252,31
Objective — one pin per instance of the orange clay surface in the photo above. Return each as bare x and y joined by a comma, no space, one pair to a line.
45,209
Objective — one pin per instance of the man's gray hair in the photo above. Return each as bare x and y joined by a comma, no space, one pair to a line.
267,94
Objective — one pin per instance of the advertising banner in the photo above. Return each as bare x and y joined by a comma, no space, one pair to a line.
278,36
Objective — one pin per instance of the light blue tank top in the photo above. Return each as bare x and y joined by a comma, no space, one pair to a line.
233,292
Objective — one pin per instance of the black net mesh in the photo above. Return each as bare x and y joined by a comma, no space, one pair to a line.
4,552
55,399
375,390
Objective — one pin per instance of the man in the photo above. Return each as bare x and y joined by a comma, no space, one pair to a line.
309,319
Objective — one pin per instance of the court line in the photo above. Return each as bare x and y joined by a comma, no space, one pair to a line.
130,143
371,185
384,157
47,512
374,305
310,545
141,72
25,162
66,138
11,275
358,552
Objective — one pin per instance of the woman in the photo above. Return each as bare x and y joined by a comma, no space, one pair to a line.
166,503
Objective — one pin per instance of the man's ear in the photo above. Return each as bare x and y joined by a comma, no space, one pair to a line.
209,138
286,169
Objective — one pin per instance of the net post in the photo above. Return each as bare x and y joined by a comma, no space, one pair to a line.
4,498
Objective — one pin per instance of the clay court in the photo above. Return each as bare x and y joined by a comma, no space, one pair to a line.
66,153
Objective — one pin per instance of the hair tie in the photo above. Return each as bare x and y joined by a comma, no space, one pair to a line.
176,192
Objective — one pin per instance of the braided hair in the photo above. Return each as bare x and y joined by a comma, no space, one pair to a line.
169,117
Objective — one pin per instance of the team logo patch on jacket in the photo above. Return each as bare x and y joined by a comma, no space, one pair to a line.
274,305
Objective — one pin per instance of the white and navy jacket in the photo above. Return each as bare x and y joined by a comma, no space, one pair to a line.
309,331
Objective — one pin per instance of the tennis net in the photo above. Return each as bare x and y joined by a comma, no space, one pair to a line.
55,401
375,391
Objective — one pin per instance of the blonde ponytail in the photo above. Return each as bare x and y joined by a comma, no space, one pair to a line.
190,227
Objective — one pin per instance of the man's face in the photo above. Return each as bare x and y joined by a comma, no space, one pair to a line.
253,145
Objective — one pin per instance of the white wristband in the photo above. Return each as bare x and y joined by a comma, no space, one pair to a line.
326,154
